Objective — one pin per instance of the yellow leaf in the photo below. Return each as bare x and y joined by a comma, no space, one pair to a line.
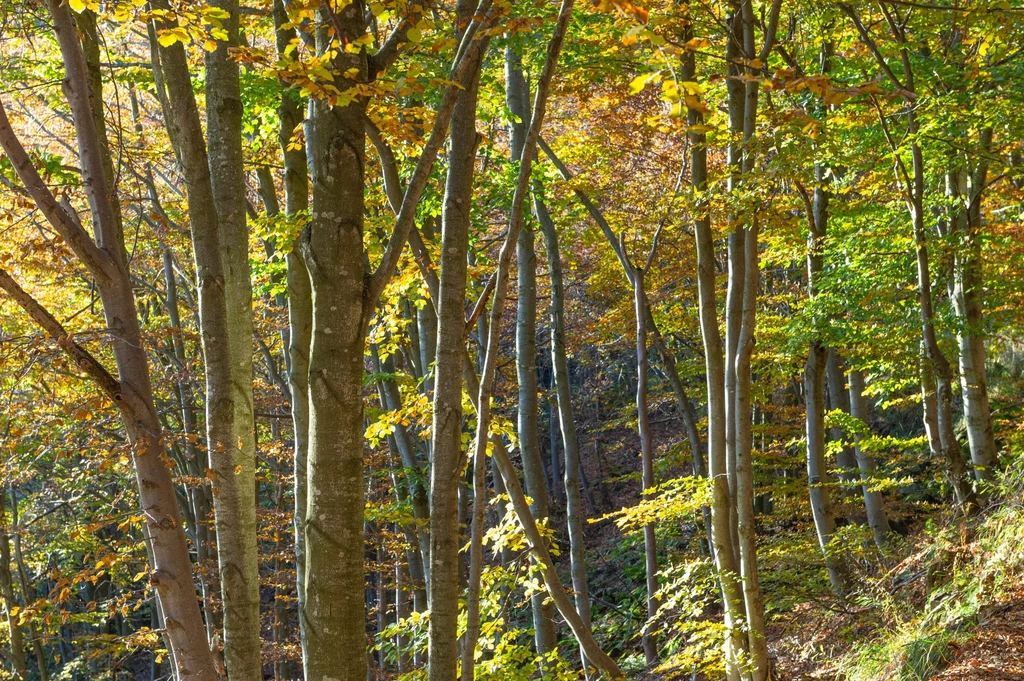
640,82
692,88
167,39
210,45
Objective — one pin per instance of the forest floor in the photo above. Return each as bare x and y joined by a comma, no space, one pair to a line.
996,650
806,647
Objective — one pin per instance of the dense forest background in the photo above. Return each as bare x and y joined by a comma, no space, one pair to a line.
432,339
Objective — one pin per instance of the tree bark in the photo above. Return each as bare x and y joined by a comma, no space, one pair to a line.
334,613
839,398
11,604
516,222
233,453
446,464
815,370
817,468
968,285
566,417
300,303
878,521
517,98
938,421
650,643
721,523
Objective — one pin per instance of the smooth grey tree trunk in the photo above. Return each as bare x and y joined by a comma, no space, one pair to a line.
482,387
233,456
742,414
722,527
968,286
650,643
874,505
26,589
446,464
815,370
300,302
939,421
517,98
817,468
839,398
11,603
566,417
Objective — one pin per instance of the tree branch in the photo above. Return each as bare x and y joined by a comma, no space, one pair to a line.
418,182
82,358
100,264
389,50
869,42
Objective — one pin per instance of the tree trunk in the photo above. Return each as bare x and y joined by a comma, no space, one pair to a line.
839,399
483,387
172,574
233,453
334,612
815,371
939,366
517,98
938,421
721,505
744,273
300,304
27,590
878,521
968,286
650,643
566,417
446,464
752,598
11,603
817,468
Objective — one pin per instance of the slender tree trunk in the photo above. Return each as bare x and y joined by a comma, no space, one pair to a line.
172,574
968,285
752,598
11,603
483,388
939,365
817,468
234,465
446,464
215,181
839,399
735,260
517,98
566,417
878,521
928,406
941,430
391,400
745,275
300,303
334,613
650,642
721,506
815,371
27,590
